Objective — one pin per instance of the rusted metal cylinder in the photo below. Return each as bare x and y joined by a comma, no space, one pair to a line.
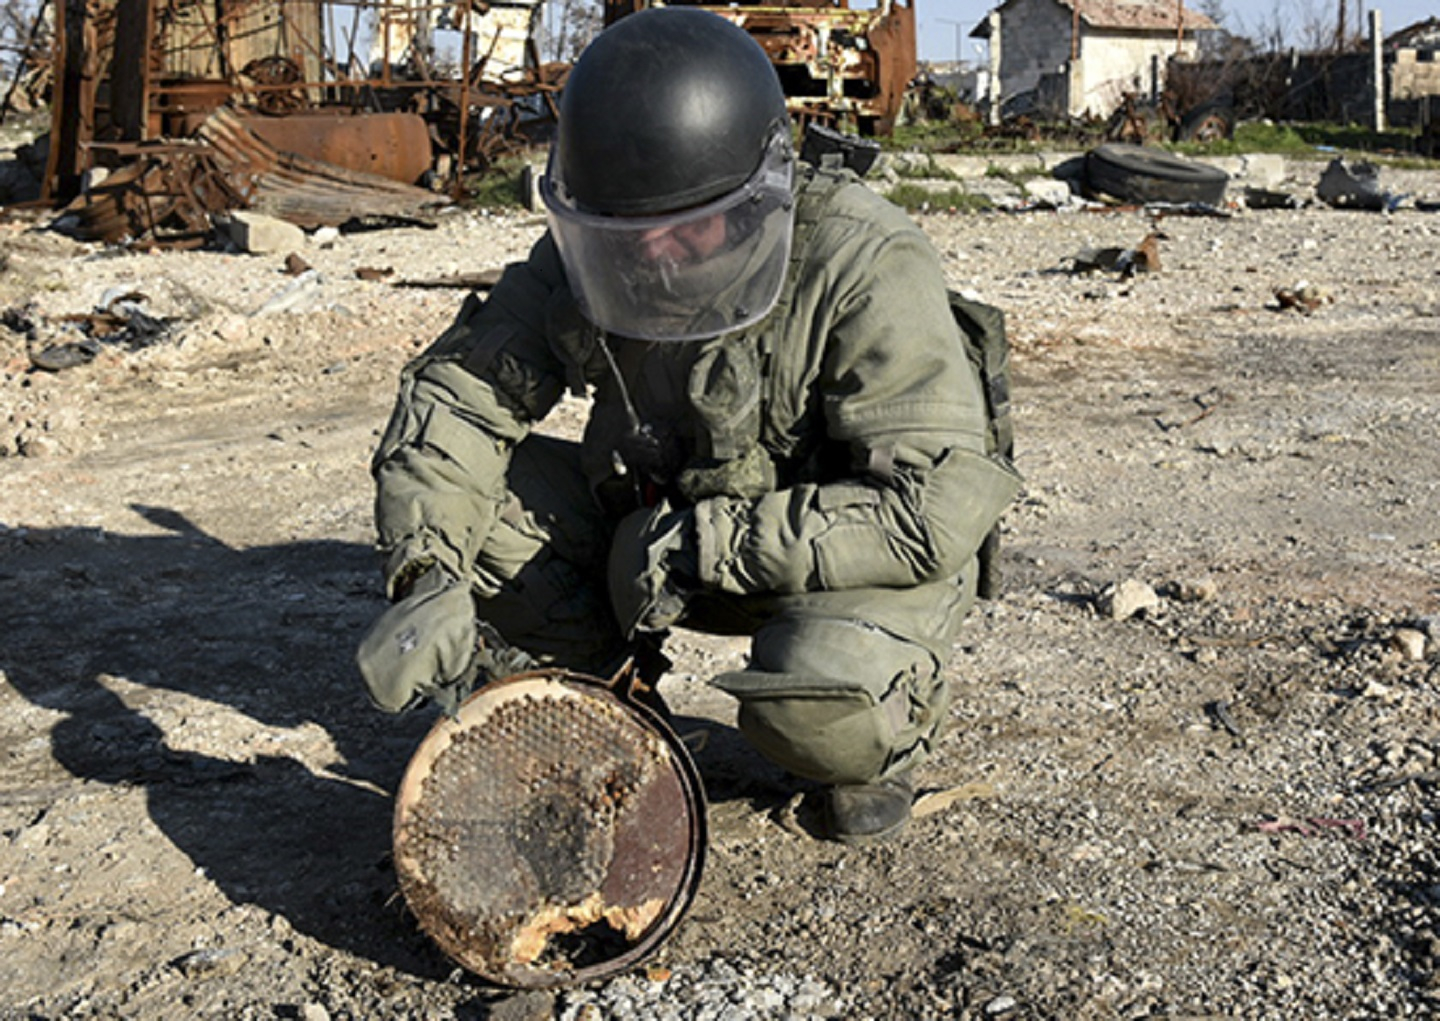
393,145
552,832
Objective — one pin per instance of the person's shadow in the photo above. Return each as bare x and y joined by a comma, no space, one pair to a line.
95,622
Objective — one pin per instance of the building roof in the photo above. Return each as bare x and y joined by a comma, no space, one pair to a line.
1421,35
1129,15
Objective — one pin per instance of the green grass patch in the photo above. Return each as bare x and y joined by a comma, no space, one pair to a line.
1252,137
925,136
499,187
921,167
915,199
1315,141
933,136
1016,175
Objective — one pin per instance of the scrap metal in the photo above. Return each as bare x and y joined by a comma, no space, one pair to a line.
129,72
165,193
841,66
551,832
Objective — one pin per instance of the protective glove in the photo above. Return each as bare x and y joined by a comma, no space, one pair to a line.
654,567
423,646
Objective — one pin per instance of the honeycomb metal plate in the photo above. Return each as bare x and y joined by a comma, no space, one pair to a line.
550,833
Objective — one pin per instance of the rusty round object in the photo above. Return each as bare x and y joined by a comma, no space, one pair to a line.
276,75
552,832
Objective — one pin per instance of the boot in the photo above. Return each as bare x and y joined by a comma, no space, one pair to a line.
870,812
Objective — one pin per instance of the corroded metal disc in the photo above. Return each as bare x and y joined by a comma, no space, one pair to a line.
550,833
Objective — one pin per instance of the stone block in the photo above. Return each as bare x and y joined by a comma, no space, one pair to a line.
259,234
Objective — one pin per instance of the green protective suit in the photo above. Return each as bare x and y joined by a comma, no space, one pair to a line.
834,454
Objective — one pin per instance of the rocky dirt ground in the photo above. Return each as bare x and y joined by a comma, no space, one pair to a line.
1192,767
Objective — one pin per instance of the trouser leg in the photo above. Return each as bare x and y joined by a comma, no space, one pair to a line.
836,695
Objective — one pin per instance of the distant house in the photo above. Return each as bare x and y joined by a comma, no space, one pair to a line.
1414,58
1079,57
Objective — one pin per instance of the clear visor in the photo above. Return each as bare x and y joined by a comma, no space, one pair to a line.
696,273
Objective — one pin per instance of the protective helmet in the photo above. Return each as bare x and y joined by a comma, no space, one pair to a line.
669,184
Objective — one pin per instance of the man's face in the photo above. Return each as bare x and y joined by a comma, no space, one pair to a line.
683,244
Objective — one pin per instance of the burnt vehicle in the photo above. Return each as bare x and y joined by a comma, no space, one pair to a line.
840,66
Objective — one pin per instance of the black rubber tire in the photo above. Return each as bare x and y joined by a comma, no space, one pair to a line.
1137,173
1210,122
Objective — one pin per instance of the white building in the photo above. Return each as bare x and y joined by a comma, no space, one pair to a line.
1079,57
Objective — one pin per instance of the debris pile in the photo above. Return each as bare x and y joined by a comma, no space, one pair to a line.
119,320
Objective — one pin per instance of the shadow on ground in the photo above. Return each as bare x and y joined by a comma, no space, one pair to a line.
101,623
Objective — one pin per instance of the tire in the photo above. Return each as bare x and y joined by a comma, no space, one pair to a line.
1211,122
1137,173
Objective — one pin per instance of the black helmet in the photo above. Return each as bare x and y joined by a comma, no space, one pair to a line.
669,185
666,108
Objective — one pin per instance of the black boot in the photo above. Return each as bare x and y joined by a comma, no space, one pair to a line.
867,812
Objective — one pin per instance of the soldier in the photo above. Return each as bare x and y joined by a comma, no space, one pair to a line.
785,440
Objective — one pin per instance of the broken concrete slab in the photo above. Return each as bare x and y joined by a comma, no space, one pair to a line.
259,234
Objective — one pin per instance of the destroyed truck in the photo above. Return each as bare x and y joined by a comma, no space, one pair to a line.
840,66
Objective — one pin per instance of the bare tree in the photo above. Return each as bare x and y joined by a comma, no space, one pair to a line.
26,33
572,24
1322,28
1214,10
1311,26
17,20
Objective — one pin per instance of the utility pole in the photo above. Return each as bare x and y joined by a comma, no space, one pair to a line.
1377,71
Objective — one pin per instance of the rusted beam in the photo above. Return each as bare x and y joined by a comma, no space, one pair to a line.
131,68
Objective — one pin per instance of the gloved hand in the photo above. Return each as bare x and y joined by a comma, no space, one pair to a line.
653,568
423,646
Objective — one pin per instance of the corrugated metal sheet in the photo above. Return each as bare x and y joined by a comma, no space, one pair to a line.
303,191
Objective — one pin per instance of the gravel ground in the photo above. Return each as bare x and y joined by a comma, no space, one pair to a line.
1191,770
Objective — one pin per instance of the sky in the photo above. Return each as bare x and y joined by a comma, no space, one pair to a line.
937,28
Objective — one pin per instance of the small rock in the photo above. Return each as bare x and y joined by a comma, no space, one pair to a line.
259,234
33,837
1049,190
314,1012
299,296
999,1006
1374,689
210,962
527,1006
1129,597
38,446
231,329
1410,643
1195,590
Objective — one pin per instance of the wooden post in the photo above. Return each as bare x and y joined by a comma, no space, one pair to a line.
467,55
72,111
130,69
